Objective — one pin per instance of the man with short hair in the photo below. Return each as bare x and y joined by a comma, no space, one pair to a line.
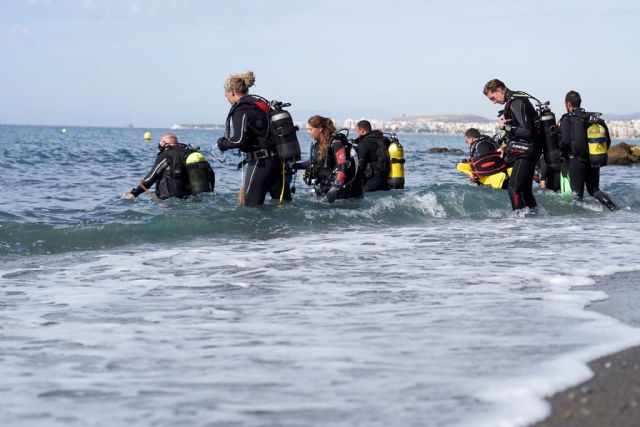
373,157
573,141
523,144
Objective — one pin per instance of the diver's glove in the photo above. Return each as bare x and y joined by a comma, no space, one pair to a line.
332,194
224,144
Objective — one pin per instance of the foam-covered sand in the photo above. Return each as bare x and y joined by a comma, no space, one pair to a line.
612,396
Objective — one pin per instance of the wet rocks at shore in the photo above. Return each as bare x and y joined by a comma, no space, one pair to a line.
623,154
445,150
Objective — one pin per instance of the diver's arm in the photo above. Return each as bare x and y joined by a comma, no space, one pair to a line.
239,127
154,174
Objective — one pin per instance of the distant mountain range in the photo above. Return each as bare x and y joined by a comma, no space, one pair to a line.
444,118
634,116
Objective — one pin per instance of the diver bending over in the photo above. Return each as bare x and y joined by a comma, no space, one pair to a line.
168,172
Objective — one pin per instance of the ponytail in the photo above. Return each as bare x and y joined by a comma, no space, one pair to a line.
328,129
240,83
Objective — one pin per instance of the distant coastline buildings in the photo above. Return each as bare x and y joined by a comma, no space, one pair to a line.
442,124
458,124
454,124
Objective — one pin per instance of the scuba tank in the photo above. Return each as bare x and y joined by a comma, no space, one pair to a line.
597,141
549,132
283,132
396,155
198,170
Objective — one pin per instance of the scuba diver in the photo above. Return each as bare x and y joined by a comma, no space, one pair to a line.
373,156
524,145
479,144
585,138
331,165
171,172
484,157
247,129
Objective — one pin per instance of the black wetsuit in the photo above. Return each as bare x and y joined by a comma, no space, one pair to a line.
247,129
573,141
335,169
168,174
523,149
373,154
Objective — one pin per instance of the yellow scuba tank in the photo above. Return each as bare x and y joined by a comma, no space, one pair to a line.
396,156
198,171
597,141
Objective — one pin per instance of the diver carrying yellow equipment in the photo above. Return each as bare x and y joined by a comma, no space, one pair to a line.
499,179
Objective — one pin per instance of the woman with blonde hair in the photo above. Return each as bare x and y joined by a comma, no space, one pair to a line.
247,129
331,166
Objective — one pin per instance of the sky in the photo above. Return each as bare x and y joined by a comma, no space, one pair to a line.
153,63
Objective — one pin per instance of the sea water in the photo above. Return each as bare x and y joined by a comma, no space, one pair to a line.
428,306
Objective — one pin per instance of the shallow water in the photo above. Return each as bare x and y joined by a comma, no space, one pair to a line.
431,306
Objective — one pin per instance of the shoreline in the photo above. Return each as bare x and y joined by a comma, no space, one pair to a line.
612,396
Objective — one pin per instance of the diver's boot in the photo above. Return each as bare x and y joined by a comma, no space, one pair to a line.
605,200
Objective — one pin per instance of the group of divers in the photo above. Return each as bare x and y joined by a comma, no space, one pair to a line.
561,157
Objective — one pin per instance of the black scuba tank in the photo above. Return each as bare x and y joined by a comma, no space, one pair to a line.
549,133
283,132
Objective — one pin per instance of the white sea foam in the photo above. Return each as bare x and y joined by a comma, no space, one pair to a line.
319,330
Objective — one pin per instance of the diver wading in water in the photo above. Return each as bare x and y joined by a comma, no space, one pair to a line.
524,145
585,138
373,156
178,171
247,128
485,165
332,166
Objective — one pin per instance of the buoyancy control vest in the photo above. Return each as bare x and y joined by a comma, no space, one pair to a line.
323,171
482,146
189,171
270,127
484,159
517,146
256,123
175,181
589,139
373,148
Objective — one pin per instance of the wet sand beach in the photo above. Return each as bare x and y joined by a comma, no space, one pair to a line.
612,397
